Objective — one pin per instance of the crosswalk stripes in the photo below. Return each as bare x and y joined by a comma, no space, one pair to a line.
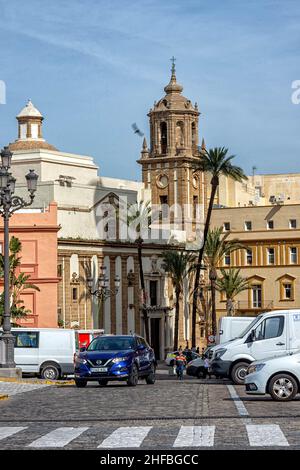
195,436
264,435
126,437
60,437
6,431
259,435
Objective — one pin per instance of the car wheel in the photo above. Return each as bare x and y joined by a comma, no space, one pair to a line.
150,378
50,372
200,373
283,387
239,372
133,377
80,383
103,382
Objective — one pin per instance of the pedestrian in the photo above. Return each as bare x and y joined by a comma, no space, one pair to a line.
197,350
180,348
206,370
180,363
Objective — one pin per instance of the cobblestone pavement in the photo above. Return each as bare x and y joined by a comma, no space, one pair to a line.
211,414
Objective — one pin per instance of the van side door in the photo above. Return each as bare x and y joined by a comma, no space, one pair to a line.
270,338
27,350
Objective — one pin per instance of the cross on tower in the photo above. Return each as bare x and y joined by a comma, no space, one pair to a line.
173,59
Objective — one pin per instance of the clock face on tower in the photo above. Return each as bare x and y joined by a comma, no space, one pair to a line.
162,181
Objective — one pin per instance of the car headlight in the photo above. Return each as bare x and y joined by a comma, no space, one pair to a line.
80,360
116,360
255,368
220,353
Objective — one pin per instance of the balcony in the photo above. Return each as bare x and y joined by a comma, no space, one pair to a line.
261,306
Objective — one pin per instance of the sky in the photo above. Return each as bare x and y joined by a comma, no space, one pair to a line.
94,67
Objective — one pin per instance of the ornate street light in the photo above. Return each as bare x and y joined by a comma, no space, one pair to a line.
9,203
101,290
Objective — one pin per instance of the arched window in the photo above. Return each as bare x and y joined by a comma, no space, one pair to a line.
163,137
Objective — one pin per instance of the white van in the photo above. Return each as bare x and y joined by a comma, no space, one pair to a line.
231,327
48,352
270,334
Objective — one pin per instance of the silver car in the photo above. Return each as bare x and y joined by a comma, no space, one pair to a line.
279,377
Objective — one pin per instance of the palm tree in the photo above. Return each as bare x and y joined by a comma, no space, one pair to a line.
232,283
138,221
17,282
216,247
178,264
216,163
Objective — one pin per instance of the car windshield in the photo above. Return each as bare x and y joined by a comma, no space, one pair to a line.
249,327
111,343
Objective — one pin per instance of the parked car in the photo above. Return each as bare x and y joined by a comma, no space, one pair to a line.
115,357
279,377
195,368
170,359
271,334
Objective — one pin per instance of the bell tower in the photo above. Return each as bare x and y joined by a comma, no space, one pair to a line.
170,167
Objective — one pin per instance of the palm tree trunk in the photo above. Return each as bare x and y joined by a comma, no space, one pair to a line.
214,186
230,307
142,280
213,305
176,329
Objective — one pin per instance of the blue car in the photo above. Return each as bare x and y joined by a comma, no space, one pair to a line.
115,357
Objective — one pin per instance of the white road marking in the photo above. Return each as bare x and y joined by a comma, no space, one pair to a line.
126,437
6,431
195,436
60,437
263,435
242,411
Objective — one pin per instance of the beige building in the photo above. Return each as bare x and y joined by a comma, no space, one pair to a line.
271,235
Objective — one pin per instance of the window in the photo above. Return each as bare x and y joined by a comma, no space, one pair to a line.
74,294
153,293
248,225
293,255
227,259
271,255
226,226
163,137
293,223
256,296
59,270
26,339
249,256
195,205
270,328
270,224
287,291
163,214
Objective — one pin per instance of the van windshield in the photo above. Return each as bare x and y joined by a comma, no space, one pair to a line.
249,327
111,343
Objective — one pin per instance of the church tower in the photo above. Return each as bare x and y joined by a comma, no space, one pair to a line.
170,167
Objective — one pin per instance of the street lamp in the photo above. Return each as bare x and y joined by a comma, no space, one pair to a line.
9,203
101,290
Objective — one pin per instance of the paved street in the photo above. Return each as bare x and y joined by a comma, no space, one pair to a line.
212,414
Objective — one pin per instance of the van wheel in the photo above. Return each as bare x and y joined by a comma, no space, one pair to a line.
283,387
50,372
133,377
80,383
239,372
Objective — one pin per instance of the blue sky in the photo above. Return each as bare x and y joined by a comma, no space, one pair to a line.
94,67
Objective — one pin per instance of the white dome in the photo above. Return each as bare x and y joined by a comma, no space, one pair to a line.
29,111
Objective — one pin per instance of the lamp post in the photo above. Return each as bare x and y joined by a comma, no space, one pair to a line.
102,290
9,203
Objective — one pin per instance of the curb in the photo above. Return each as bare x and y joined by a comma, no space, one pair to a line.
37,381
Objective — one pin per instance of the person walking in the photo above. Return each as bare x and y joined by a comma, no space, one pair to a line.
206,368
180,361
